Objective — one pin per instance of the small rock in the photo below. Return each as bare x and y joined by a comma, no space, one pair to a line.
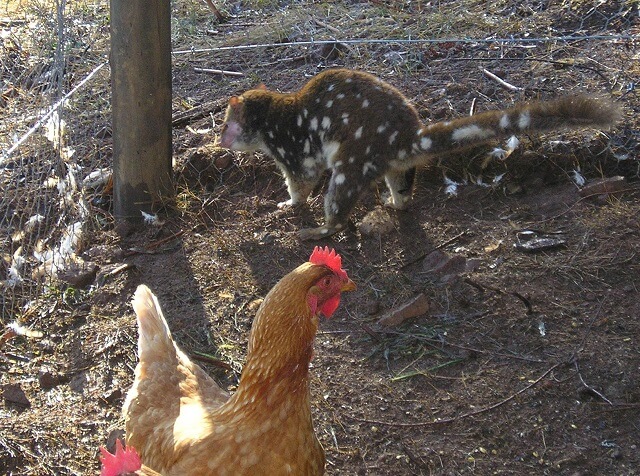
112,396
48,379
222,161
14,395
415,307
604,186
378,222
78,382
79,276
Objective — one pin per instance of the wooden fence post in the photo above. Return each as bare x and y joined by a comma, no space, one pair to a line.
141,104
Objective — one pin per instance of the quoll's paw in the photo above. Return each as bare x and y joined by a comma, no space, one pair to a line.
286,204
307,234
400,202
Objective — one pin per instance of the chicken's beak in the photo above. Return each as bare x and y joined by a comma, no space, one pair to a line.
348,286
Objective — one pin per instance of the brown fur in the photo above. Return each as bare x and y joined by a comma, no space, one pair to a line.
363,128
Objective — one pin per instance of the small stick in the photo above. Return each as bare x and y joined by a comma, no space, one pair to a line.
211,360
422,255
588,387
218,71
465,415
328,27
215,11
501,81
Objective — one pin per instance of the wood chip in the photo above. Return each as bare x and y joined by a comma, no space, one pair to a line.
605,186
417,306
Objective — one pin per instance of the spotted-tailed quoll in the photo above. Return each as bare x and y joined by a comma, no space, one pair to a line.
362,128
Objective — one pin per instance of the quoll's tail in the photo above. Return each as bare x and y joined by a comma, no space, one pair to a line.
570,112
154,334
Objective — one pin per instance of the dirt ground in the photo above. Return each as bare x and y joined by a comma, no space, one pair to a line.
526,362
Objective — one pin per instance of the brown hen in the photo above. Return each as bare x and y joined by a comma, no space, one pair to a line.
182,423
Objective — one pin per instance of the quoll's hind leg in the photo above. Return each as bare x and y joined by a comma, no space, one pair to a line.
299,189
400,184
344,190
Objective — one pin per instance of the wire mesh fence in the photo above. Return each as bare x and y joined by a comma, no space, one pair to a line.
55,131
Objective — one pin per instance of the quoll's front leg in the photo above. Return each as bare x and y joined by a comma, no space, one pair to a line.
344,189
400,185
299,190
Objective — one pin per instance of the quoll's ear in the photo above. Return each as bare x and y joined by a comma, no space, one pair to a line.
234,101
262,87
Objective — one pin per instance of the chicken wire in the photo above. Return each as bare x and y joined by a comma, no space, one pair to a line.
56,137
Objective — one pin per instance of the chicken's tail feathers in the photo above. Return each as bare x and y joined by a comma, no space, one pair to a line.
154,333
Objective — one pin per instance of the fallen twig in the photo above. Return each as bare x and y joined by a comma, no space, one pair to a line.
218,71
501,81
441,245
215,11
211,360
465,415
588,387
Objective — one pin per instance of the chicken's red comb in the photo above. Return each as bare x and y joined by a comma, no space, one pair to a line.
124,460
328,257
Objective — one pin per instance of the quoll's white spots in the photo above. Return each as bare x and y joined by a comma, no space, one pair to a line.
305,113
340,96
352,160
331,87
368,150
504,121
329,150
313,124
425,143
358,133
368,167
338,163
329,103
365,103
340,179
348,80
524,120
307,146
270,134
392,137
309,163
281,151
299,122
470,132
326,122
402,154
381,128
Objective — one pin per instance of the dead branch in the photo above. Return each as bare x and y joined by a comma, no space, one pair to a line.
465,415
215,11
218,71
501,81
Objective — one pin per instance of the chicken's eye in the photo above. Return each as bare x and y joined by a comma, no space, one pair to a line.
327,281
